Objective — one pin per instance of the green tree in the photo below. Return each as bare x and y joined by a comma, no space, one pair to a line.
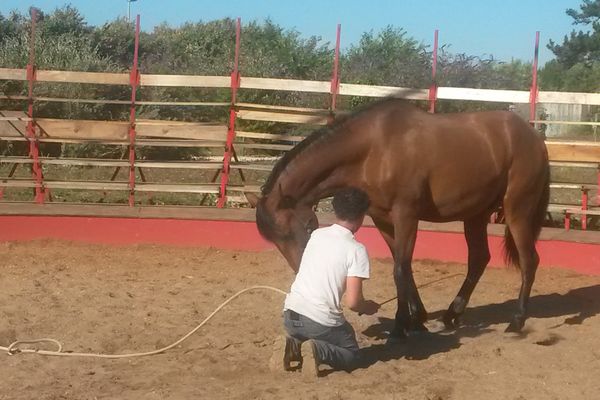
390,57
577,64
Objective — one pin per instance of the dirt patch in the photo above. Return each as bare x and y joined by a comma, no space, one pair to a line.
139,298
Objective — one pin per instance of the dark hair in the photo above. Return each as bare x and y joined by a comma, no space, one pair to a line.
350,204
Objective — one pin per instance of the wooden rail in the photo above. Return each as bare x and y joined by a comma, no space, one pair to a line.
163,133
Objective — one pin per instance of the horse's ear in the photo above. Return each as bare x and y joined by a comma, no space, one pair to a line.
252,199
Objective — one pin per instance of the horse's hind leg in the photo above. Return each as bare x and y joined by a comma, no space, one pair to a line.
524,241
479,256
520,238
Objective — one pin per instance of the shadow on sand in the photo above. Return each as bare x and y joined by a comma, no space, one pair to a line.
577,305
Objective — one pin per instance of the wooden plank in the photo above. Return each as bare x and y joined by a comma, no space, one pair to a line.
319,111
102,78
185,80
86,101
582,212
24,119
281,117
559,208
502,96
290,85
16,160
573,151
87,185
71,141
7,97
183,103
125,102
17,183
349,89
569,98
140,142
565,164
13,74
10,129
549,122
200,165
118,130
576,186
178,143
179,164
83,129
87,162
76,185
270,136
282,147
171,188
180,130
252,167
244,188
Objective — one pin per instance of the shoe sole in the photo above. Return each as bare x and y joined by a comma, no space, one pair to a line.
310,365
282,354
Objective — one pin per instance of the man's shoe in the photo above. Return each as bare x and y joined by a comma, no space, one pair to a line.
310,362
285,351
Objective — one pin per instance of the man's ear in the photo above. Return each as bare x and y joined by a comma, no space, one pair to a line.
252,199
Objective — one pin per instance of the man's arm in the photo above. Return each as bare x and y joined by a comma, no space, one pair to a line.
355,299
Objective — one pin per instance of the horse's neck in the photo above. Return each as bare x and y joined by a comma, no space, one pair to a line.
310,176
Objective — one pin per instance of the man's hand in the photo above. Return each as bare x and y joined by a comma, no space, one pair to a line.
355,299
369,307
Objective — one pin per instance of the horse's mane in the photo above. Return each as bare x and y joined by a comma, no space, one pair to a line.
317,137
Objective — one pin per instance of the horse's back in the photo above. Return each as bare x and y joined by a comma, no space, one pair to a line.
457,165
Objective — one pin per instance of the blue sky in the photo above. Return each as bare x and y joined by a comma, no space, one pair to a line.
502,28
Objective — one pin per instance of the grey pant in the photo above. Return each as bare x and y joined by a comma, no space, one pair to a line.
335,346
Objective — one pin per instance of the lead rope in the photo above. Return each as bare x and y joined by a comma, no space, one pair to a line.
14,349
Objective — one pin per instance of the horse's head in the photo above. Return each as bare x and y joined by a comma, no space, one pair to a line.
285,222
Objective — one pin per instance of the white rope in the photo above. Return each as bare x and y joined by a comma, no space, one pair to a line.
14,349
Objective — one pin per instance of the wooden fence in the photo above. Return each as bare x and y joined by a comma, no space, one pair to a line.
18,125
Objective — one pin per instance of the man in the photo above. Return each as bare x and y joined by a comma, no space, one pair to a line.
333,263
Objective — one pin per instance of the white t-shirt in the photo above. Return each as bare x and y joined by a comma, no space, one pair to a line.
331,255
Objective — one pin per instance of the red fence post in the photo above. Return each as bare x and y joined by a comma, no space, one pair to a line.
533,92
34,150
584,207
235,84
335,77
433,87
134,81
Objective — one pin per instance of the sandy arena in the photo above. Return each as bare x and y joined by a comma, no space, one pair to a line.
138,298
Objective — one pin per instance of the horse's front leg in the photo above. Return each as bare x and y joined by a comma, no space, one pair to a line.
411,313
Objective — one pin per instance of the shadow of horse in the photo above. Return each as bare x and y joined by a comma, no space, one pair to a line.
577,305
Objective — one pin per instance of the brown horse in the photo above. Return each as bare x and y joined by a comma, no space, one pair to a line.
418,166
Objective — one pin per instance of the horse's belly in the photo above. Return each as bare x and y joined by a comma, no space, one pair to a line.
462,203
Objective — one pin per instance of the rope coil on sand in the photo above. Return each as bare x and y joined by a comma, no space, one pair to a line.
14,349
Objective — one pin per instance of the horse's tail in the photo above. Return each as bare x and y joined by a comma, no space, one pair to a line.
511,254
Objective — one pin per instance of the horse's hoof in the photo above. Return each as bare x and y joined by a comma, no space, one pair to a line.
515,326
418,328
451,323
